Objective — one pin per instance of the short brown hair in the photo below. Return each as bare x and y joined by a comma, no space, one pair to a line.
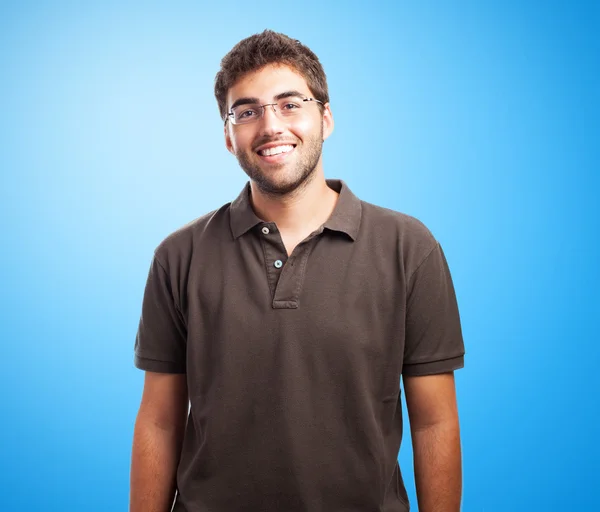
268,47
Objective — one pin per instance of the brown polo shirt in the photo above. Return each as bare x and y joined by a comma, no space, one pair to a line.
293,364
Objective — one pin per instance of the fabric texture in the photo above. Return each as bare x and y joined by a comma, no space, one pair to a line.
293,364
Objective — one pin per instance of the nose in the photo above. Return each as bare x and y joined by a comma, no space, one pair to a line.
271,122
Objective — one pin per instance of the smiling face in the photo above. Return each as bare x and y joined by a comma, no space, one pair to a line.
279,154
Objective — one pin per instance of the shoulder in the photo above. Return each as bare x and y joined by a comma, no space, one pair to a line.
406,234
179,246
406,225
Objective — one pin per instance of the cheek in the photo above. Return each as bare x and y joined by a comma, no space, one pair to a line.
306,128
241,141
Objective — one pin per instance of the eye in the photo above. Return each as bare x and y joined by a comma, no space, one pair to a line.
290,106
246,113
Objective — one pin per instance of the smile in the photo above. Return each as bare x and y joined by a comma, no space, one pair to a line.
276,150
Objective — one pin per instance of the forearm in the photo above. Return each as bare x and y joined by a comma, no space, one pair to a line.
154,461
438,468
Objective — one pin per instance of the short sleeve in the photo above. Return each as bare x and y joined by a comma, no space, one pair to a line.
160,344
433,341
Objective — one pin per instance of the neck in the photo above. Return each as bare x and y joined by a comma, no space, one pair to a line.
303,210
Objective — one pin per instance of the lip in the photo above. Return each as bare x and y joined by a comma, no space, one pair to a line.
275,159
275,144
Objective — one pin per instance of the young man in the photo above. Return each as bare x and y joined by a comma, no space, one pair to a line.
284,321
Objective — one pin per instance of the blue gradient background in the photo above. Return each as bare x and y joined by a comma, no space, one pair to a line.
480,120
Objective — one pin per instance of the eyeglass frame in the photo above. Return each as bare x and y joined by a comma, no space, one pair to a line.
262,107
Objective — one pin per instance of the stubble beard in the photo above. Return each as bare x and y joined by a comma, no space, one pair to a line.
297,178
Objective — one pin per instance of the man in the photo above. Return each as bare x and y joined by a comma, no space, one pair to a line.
284,321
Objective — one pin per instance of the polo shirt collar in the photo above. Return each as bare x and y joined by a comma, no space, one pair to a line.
345,217
347,212
241,215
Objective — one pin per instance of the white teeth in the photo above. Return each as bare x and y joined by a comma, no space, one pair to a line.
275,150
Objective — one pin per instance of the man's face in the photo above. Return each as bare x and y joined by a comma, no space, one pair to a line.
277,173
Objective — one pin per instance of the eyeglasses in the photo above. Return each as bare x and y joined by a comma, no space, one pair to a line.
285,108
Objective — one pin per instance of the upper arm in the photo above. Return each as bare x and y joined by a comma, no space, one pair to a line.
430,400
164,399
160,344
160,350
433,342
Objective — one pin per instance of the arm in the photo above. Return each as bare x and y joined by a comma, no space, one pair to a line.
157,441
432,410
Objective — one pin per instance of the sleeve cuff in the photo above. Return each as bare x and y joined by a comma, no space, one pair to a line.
433,367
153,365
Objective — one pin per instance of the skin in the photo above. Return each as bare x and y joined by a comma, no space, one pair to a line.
434,425
157,441
292,193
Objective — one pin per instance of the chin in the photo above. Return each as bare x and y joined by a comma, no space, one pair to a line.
274,187
285,185
277,180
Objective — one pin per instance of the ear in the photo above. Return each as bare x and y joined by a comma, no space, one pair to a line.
327,121
228,143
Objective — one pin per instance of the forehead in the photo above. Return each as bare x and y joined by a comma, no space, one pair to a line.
267,82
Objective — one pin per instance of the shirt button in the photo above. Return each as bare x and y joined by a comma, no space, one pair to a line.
278,264
265,230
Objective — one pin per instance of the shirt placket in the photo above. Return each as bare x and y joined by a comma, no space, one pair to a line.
285,274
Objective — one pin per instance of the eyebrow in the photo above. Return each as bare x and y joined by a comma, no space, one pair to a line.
288,94
243,101
249,100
